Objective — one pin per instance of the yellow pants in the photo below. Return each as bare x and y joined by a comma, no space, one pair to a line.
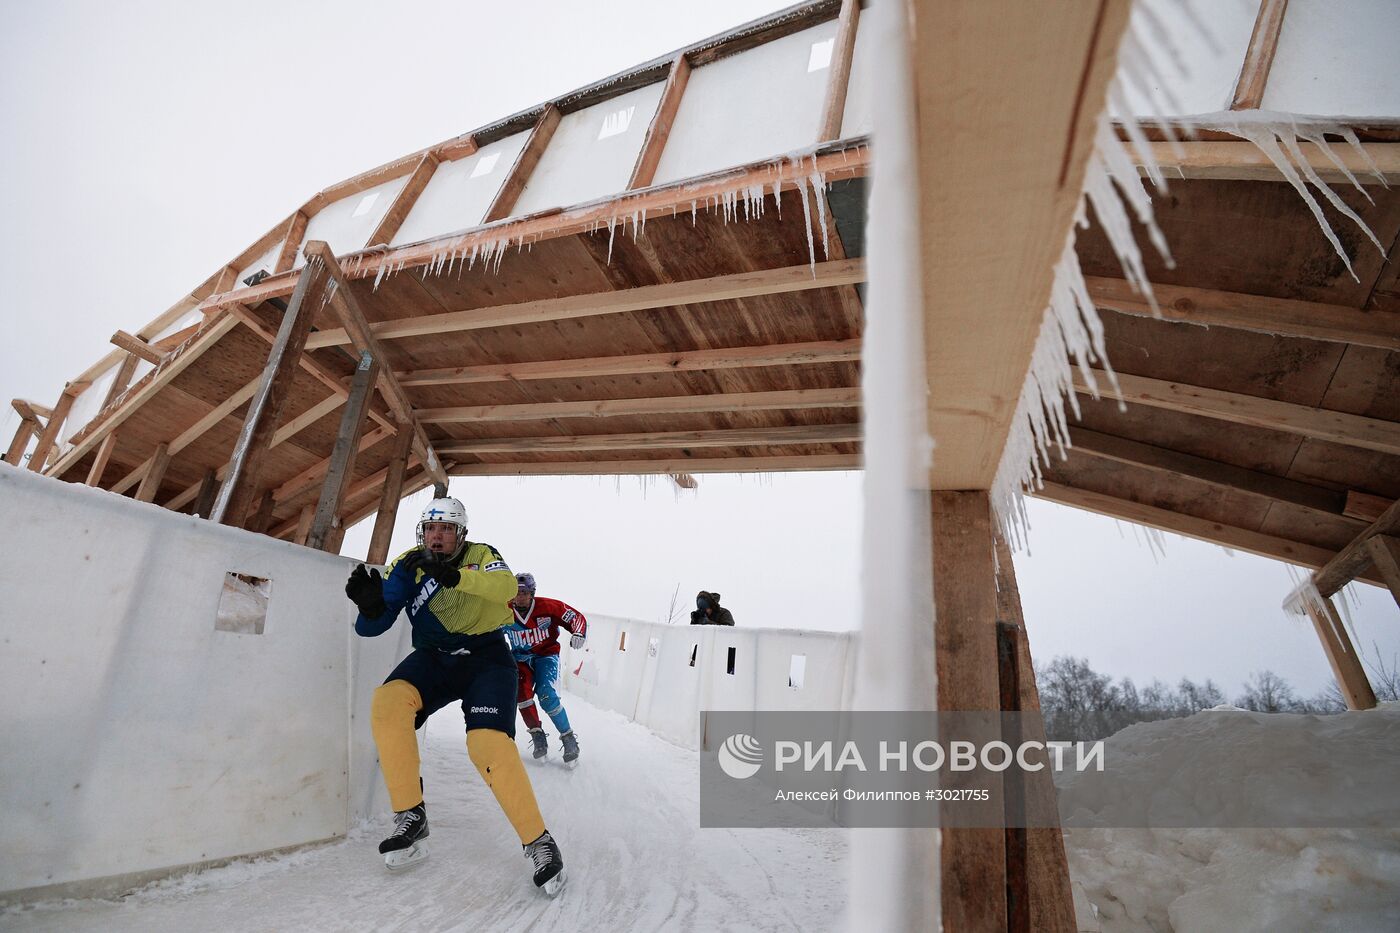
392,713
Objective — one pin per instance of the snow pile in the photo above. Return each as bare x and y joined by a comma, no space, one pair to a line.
1337,769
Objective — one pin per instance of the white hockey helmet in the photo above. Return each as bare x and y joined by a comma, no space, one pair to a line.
446,510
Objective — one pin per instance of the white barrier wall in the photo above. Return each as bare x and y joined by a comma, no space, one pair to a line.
662,676
138,738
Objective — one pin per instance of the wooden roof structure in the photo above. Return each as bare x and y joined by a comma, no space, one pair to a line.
686,326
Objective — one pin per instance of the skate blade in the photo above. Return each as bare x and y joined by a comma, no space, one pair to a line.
406,858
552,886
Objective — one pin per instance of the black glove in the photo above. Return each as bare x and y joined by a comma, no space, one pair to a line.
366,590
433,566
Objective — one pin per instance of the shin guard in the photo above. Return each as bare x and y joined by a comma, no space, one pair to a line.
391,717
498,760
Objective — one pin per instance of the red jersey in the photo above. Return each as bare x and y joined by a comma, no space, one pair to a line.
536,631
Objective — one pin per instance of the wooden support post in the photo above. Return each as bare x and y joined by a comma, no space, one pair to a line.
208,492
336,537
155,474
28,427
1385,554
304,520
390,498
659,130
1346,666
1352,560
1259,56
99,463
1051,898
49,439
241,481
342,459
839,78
262,516
973,861
524,166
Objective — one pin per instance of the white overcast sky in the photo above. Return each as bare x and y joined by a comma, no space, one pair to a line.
147,143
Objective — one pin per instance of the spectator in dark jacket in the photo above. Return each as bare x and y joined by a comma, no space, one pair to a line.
708,611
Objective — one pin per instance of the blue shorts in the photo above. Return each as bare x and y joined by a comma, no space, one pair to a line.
484,681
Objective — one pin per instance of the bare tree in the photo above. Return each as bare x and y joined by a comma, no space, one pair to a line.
1267,692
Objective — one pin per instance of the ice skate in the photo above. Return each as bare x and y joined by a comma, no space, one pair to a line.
570,743
405,846
544,855
541,745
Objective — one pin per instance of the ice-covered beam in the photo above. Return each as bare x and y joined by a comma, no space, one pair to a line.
1244,161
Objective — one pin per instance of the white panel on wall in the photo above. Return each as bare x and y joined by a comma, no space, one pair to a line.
592,152
347,224
758,104
132,706
1337,59
1211,73
88,404
858,119
267,262
459,193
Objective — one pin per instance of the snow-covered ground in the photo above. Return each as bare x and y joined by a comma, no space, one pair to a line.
1344,768
627,820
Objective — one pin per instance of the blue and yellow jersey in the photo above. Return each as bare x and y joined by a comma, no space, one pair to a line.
442,617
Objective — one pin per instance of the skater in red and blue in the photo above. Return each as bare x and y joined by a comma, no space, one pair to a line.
534,640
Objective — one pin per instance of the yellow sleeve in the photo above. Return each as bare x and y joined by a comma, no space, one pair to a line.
494,582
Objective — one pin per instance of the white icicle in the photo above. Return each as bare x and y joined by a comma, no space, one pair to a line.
819,195
807,222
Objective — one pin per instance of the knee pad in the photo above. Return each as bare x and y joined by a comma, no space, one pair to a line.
395,700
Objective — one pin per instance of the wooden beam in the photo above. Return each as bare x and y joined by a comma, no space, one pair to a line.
785,400
155,475
792,354
1341,654
669,465
1365,507
1303,420
31,411
208,493
1238,160
342,458
839,77
407,197
642,298
417,479
1317,499
455,149
996,200
389,501
175,363
304,520
137,346
1202,529
659,130
738,437
1385,556
165,344
49,439
296,229
193,433
28,427
849,161
1351,560
261,519
352,319
121,380
243,477
1259,56
524,166
1281,316
965,616
309,477
99,463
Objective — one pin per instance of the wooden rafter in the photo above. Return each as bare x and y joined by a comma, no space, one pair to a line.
792,354
519,175
24,432
1286,317
783,400
850,161
1303,420
1203,529
1223,160
155,474
659,130
1351,561
407,197
99,463
1259,56
645,297
734,437
1364,506
1317,499
352,318
296,229
137,346
668,465
839,77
